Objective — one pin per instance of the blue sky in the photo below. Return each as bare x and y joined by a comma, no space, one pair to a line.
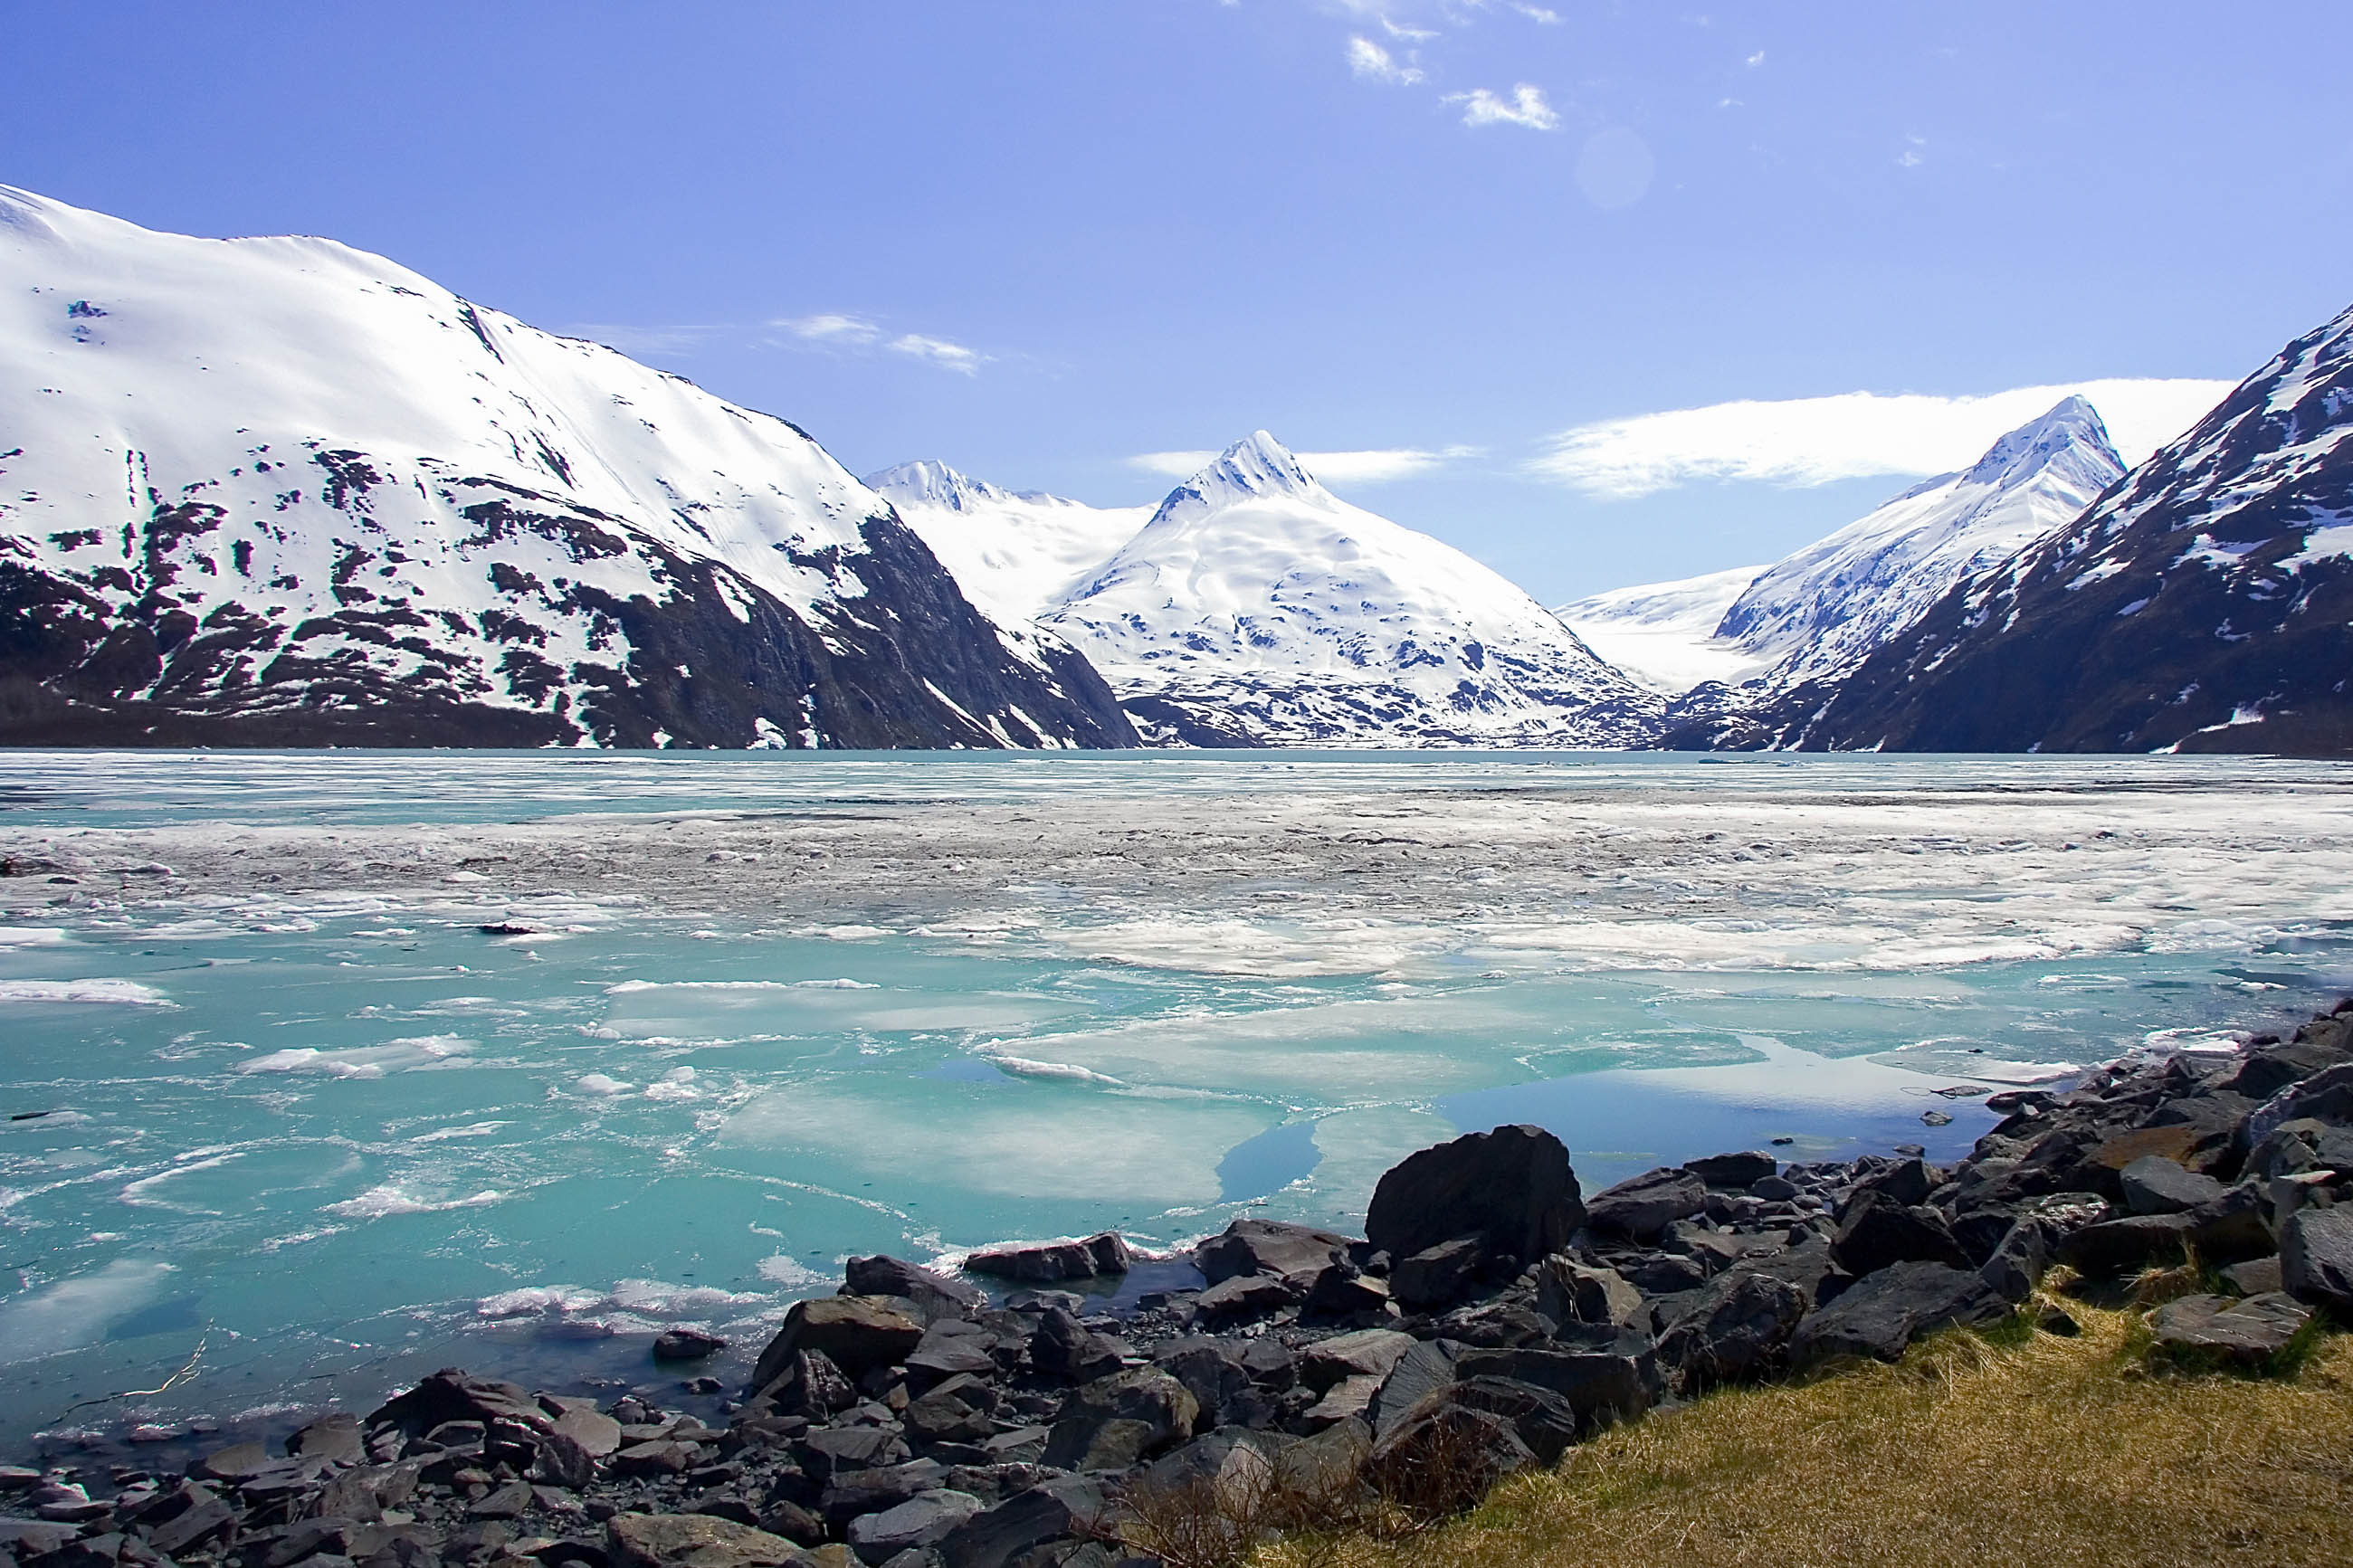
1046,239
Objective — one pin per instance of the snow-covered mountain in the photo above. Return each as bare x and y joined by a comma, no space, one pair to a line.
1827,607
281,491
2205,604
1257,607
1663,634
1014,554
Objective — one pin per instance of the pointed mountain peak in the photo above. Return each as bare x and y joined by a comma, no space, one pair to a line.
928,482
2071,430
1256,466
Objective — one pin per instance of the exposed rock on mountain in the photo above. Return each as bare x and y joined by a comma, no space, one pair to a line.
2204,604
281,492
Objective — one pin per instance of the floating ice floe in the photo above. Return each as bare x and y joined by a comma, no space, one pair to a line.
125,992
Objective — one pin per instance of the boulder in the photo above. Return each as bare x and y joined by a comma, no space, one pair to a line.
2242,1332
1350,1399
1063,1347
2255,1276
1737,1332
1642,1207
959,1410
2120,1245
1568,1291
1242,1297
806,1382
1877,1231
1879,1315
1421,1372
1211,1370
336,1439
450,1396
831,1451
938,1295
1054,1510
1734,1172
1512,1188
1367,1352
853,1494
918,1522
2018,1261
695,1540
1048,1262
857,1334
2154,1184
687,1344
1434,1278
2317,1257
1902,1182
1445,1458
1343,1294
1617,1380
1544,1420
952,1347
1117,1421
1274,1249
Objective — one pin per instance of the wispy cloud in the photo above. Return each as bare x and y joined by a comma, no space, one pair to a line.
1526,107
938,352
1804,441
829,328
1361,467
1369,59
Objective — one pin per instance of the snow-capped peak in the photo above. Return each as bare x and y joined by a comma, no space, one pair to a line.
1254,467
928,482
2072,434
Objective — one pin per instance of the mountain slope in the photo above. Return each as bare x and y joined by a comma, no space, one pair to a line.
2204,604
1256,606
1014,555
280,491
1663,634
1827,607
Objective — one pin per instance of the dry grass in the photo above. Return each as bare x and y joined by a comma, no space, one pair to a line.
2052,1452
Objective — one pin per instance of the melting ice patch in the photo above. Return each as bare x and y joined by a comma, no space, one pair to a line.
364,1061
76,1311
382,1201
32,936
127,992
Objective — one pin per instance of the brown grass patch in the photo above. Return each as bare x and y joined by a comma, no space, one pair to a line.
2053,1452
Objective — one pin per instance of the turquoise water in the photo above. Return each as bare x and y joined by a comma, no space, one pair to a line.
375,1138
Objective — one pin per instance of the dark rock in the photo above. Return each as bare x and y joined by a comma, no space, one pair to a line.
853,1493
657,1458
1054,1510
206,1522
1211,1371
1774,1189
31,1538
597,1434
836,1450
2316,1258
857,1334
686,1344
1496,1324
1568,1291
510,1501
1736,1173
1641,1208
1886,1311
2154,1184
1435,1277
2242,1332
336,1439
2235,1225
956,1411
1116,1421
1877,1231
233,1463
1270,1363
1665,1274
1445,1458
1373,1353
938,1295
1616,1380
1544,1420
1240,1298
2118,1246
695,1540
561,1461
1737,1332
450,1396
952,1347
918,1522
1904,1182
1063,1348
1045,1264
1271,1247
1426,1368
2257,1277
1512,1188
1344,1294
2019,1262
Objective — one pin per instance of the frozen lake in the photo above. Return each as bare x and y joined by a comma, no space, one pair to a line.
281,1095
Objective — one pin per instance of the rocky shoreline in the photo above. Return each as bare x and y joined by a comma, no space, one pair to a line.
1492,1316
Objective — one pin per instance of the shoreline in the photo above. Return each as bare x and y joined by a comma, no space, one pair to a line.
1502,1309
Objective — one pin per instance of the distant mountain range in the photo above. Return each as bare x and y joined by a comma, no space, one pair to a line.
1255,607
281,492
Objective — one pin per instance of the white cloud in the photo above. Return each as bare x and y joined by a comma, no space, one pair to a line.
1525,107
1756,59
1807,441
1362,468
830,328
938,352
1369,59
1540,14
